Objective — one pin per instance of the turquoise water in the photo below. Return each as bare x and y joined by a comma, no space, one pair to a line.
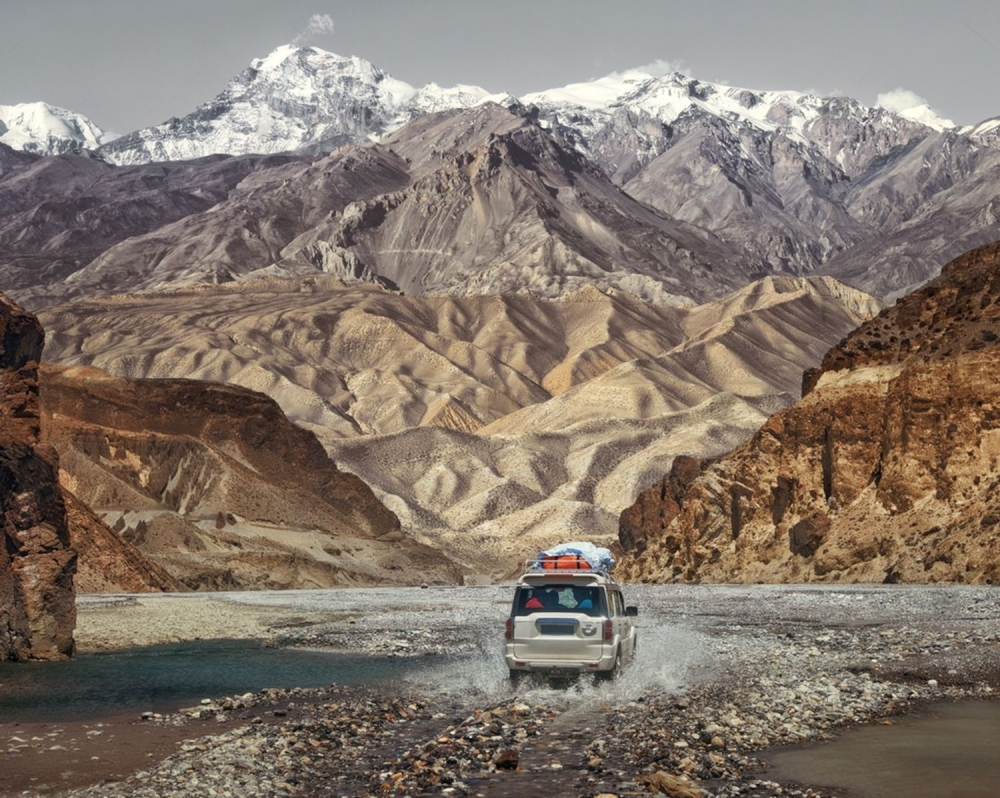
952,753
163,678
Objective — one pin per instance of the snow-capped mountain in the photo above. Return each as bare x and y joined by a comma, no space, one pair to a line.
45,129
296,97
667,97
988,130
926,115
785,182
796,181
585,112
305,97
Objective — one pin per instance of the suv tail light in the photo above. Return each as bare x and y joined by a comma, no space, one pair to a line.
609,631
509,631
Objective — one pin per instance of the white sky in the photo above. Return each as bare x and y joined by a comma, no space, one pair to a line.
131,63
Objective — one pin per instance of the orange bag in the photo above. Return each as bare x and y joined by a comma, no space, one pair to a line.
565,562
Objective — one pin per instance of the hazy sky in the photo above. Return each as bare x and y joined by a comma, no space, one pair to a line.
131,63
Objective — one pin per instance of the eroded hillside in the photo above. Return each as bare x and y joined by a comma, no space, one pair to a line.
489,425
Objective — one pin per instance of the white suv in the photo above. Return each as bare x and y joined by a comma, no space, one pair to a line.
564,622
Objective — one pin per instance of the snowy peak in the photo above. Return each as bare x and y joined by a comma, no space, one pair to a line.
275,60
986,131
593,95
308,70
670,96
433,98
925,115
293,98
45,129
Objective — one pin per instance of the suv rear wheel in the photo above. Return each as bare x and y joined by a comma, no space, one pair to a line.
607,676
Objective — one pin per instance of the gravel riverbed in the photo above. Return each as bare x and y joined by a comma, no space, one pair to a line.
722,675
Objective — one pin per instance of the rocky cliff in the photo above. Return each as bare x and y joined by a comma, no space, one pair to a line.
886,470
218,488
37,613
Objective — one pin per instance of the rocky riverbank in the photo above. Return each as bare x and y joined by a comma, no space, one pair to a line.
723,675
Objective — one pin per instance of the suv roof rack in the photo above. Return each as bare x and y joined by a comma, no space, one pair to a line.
555,565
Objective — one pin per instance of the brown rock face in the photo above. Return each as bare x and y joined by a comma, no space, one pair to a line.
37,612
888,469
105,562
215,486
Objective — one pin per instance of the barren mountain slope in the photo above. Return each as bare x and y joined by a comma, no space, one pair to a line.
245,232
588,397
12,159
490,501
775,198
463,202
469,202
885,471
569,465
57,214
773,172
343,360
938,200
753,344
517,212
217,487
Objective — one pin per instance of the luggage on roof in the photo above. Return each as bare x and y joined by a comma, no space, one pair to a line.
577,556
564,562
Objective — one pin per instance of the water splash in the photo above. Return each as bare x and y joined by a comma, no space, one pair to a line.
662,665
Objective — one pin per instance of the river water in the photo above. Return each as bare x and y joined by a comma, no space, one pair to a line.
954,752
163,678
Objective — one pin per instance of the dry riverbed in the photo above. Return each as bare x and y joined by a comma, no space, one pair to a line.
723,675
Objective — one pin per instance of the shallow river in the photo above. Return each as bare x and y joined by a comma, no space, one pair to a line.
687,635
164,678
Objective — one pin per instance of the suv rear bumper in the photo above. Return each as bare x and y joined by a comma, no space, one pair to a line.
515,664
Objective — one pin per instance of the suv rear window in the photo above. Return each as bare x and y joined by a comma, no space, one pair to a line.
559,598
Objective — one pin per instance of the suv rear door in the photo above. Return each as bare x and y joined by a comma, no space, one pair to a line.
560,630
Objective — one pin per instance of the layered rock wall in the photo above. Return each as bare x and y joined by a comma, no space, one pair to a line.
37,610
888,469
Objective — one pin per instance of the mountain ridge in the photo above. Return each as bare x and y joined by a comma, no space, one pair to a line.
748,182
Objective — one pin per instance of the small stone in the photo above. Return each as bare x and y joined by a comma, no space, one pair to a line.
674,786
507,759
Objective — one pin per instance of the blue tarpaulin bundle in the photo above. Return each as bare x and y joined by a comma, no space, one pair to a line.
597,557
